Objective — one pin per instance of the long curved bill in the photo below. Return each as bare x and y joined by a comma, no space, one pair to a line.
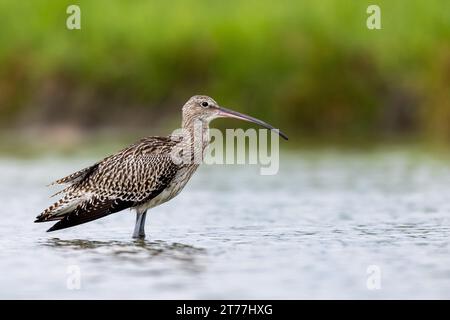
224,112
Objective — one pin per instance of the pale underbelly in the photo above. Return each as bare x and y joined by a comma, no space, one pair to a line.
171,191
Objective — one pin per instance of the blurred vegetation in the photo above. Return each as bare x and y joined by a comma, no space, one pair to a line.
310,67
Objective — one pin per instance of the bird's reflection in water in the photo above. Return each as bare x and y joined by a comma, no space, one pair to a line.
139,252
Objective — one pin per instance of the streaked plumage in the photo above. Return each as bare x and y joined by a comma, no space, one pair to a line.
140,176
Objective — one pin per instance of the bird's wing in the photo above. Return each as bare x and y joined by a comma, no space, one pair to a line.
126,179
149,145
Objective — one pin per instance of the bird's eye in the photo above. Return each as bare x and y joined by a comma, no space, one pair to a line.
205,104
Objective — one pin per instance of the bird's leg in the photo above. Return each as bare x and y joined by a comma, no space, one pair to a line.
139,231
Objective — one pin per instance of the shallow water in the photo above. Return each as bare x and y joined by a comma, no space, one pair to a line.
315,230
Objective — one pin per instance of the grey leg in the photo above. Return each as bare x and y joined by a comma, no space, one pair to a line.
139,231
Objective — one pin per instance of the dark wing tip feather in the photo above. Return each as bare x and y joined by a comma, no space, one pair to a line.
89,211
54,228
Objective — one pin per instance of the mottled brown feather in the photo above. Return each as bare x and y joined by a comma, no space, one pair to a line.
126,179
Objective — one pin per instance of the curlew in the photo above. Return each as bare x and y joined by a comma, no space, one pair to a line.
141,176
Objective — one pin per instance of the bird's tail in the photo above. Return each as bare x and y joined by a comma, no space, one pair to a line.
89,210
60,208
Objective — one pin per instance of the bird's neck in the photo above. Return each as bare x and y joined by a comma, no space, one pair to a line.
198,138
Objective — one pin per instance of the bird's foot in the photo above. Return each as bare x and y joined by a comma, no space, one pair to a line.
139,236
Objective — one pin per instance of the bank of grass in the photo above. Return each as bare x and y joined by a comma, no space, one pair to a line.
311,67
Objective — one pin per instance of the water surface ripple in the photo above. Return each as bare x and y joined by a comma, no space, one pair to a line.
312,231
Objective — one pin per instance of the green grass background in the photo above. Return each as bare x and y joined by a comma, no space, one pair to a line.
309,67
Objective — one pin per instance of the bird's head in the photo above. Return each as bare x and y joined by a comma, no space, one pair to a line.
206,109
